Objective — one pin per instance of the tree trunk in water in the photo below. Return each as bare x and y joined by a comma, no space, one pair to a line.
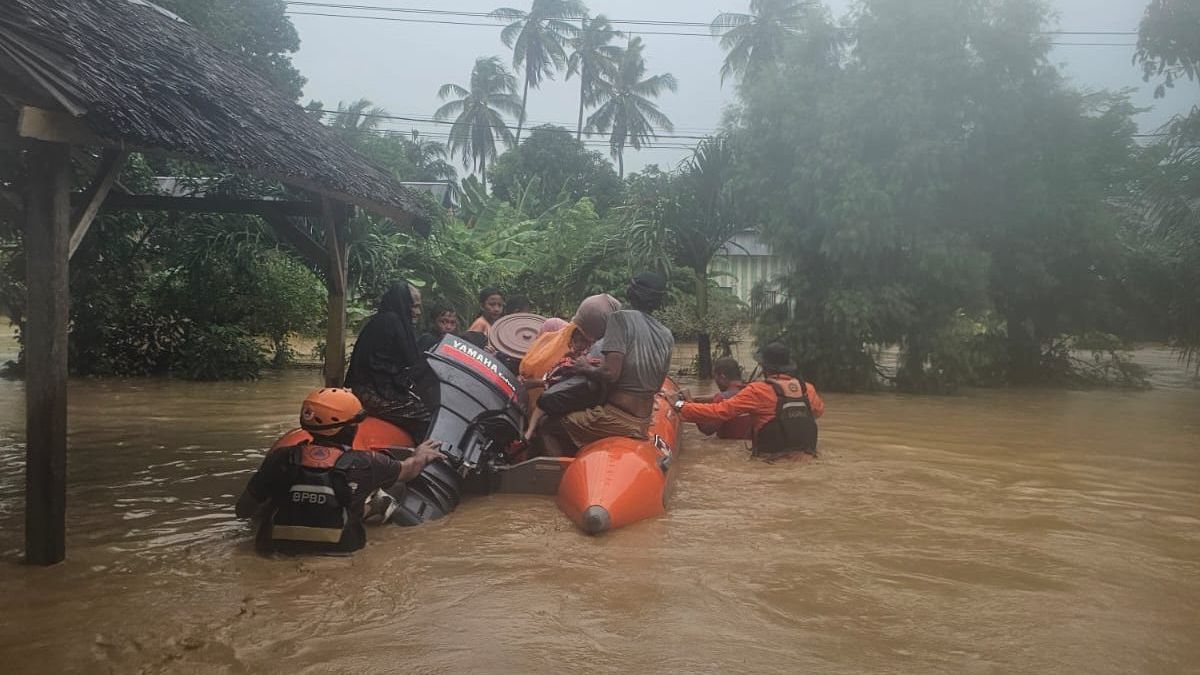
524,101
1024,352
335,284
704,341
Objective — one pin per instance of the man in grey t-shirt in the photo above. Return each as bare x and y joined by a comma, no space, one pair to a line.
637,356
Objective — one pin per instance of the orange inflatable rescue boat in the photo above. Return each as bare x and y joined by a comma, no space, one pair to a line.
477,418
617,481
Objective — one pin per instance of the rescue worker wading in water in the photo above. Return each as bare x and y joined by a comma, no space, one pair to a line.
311,496
783,407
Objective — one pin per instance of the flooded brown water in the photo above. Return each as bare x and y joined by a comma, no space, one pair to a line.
991,532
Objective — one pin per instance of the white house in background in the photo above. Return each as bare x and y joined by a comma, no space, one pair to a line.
443,192
746,261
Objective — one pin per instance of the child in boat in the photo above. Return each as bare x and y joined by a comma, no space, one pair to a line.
491,307
517,304
444,322
579,347
571,340
635,360
727,373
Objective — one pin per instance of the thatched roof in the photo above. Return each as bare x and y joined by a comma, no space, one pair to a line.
141,78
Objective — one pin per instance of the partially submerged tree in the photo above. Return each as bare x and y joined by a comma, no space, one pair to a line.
1169,49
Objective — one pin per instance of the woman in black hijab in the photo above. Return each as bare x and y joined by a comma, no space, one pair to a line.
386,362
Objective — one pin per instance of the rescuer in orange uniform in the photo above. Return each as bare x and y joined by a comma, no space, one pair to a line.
784,409
311,497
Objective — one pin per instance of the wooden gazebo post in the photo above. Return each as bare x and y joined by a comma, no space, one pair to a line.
335,217
47,237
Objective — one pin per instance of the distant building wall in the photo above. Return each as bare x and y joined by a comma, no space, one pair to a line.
745,262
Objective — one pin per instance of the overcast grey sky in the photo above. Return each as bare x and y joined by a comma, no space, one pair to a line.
400,66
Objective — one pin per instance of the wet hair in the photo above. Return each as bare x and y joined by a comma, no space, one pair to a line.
437,308
517,304
476,338
728,367
489,292
647,291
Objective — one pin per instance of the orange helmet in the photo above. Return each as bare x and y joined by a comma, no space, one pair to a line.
326,411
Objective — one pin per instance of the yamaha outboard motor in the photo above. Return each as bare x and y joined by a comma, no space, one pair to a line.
476,403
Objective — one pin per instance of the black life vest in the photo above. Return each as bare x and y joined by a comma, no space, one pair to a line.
313,514
793,429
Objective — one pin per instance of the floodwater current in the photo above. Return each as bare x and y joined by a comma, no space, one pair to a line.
1033,531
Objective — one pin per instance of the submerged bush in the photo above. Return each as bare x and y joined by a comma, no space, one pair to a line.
219,353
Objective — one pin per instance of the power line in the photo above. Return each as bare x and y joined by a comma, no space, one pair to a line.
400,133
641,22
447,22
434,120
488,15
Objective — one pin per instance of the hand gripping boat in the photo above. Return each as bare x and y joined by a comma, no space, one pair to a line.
478,419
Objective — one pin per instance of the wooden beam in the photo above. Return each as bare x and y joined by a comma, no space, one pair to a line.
48,214
55,127
309,249
335,282
110,167
210,204
290,208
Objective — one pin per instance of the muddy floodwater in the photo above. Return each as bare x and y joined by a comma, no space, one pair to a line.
990,532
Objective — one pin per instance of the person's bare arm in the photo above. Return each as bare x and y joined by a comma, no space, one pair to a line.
423,454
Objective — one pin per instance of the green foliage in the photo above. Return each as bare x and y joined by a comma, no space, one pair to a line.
287,298
257,31
478,113
411,158
219,352
554,167
593,56
725,321
538,39
1167,196
921,182
626,110
757,41
1169,42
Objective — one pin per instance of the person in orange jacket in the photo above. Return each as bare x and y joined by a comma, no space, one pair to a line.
784,408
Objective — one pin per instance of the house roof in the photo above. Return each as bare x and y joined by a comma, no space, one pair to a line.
442,191
141,78
745,244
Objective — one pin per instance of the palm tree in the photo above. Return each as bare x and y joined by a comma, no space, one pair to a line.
359,116
706,218
625,106
479,112
538,39
752,41
430,157
592,57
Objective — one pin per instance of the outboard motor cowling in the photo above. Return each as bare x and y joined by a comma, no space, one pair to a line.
477,414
